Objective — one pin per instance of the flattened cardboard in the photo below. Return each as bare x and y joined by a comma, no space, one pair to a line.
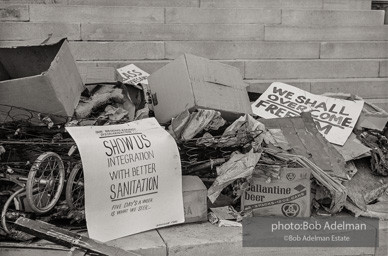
307,141
40,77
192,82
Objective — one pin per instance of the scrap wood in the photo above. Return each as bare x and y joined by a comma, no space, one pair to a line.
69,239
337,191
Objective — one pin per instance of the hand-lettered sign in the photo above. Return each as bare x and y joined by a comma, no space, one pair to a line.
334,118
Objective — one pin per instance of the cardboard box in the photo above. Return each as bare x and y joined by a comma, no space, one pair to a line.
288,196
40,77
192,82
194,199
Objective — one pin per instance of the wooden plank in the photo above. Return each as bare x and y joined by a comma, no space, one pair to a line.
167,32
223,16
117,50
95,14
14,13
243,50
28,31
66,238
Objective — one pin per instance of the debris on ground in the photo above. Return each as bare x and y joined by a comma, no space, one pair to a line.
235,162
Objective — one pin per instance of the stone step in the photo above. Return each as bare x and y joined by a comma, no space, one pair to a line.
290,4
302,18
14,13
208,239
367,88
311,69
168,32
223,15
218,50
288,33
95,14
130,14
145,3
224,50
28,31
90,51
354,50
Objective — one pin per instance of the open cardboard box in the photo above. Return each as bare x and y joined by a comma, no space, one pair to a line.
40,77
192,82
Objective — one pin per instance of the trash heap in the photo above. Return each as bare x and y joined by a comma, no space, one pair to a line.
235,162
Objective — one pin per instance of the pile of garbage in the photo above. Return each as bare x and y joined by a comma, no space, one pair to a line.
290,153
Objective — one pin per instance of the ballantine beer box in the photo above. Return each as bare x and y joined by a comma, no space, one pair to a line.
288,196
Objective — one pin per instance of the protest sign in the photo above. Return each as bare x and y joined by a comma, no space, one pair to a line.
334,118
131,74
133,179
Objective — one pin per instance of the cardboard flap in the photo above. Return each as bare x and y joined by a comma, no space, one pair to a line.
192,183
204,70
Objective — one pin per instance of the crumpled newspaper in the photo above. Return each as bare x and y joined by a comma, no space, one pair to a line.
238,166
186,126
244,130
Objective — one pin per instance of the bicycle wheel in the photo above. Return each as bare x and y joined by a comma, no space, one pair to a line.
45,182
75,193
4,222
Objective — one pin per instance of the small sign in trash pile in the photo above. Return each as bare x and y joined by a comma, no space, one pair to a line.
183,144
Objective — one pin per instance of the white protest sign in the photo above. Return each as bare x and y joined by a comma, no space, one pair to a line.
131,74
334,118
133,179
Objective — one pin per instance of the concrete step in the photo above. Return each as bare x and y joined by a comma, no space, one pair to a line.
208,239
354,50
145,3
218,50
367,88
14,13
95,14
117,50
289,4
383,68
27,31
332,18
288,33
223,15
311,69
168,32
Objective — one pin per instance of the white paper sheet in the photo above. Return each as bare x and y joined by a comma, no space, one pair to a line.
133,179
